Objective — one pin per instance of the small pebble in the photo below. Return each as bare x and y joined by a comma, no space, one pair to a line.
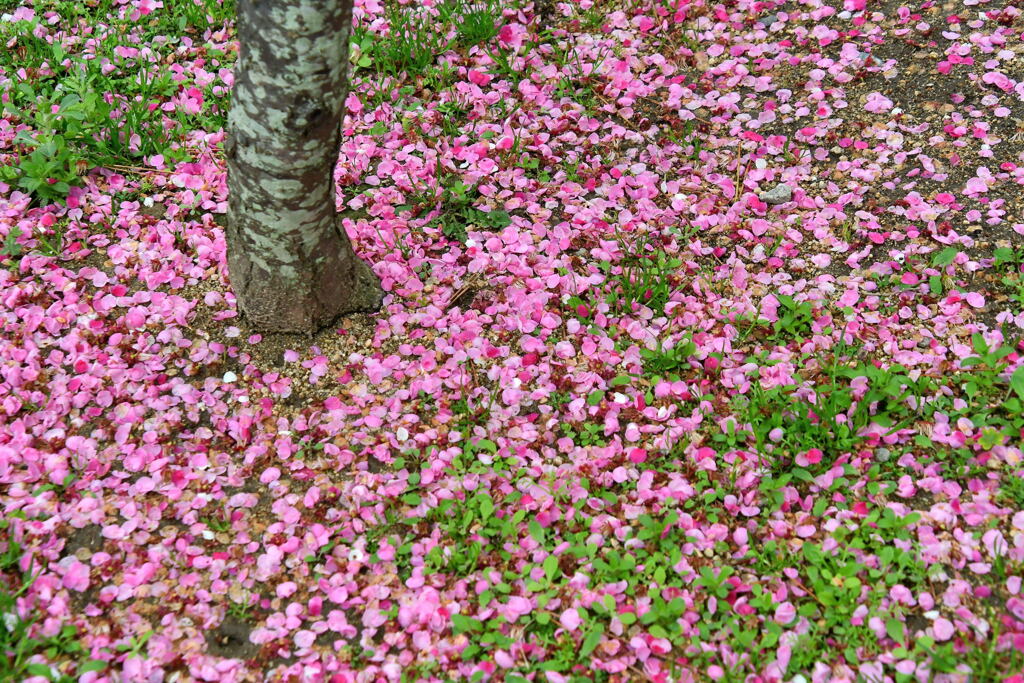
780,194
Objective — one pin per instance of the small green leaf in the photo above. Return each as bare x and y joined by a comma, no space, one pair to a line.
595,397
1003,255
550,567
463,624
499,219
803,474
894,628
37,669
819,506
979,344
592,640
92,665
945,257
1017,381
486,507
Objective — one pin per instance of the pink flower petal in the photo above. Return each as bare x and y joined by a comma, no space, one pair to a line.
943,629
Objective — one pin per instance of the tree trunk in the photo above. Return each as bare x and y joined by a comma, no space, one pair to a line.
290,263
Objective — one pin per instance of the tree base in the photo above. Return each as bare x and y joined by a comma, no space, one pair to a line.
368,295
276,300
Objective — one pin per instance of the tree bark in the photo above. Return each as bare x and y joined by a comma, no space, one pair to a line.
290,263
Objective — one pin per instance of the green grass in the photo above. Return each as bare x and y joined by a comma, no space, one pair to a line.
23,651
644,276
844,397
795,322
81,116
1009,264
476,21
416,36
457,211
668,360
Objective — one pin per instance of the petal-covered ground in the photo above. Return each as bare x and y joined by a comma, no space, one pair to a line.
701,357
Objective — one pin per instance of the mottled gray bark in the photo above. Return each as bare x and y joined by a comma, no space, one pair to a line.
290,263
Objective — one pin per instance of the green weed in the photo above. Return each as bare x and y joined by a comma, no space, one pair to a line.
411,44
795,322
1011,490
476,21
416,36
993,396
21,652
783,422
1009,263
668,359
457,211
241,611
584,435
12,249
81,115
644,276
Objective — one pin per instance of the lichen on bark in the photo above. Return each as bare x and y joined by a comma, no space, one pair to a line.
290,263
